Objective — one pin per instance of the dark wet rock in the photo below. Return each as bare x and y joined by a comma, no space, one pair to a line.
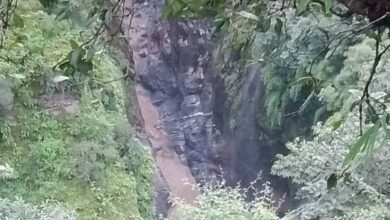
193,83
191,105
143,54
144,35
160,78
176,74
179,143
140,1
195,157
158,98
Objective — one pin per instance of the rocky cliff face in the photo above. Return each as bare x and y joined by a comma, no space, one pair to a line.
179,65
172,62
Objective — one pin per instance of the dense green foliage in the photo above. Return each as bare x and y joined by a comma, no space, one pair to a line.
331,72
221,202
20,210
362,192
64,134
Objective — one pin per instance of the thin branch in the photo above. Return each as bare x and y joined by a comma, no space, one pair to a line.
366,95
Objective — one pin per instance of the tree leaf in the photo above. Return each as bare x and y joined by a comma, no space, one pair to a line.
328,6
75,58
300,80
319,112
64,65
93,12
166,10
385,126
85,67
278,26
367,150
302,6
363,144
102,15
176,7
74,44
331,181
267,24
371,114
248,15
218,24
60,78
17,76
18,21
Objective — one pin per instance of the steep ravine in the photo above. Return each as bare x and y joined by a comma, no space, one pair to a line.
177,176
186,107
173,175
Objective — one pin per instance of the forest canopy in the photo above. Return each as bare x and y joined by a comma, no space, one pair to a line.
324,60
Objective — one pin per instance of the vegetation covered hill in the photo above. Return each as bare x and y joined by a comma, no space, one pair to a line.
64,133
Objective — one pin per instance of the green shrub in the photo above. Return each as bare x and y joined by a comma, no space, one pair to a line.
360,194
6,172
47,160
6,98
18,210
139,163
53,157
220,202
89,160
91,125
37,126
122,134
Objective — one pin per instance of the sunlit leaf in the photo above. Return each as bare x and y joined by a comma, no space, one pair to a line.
355,91
60,78
302,79
363,145
371,114
248,15
17,76
317,115
218,24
